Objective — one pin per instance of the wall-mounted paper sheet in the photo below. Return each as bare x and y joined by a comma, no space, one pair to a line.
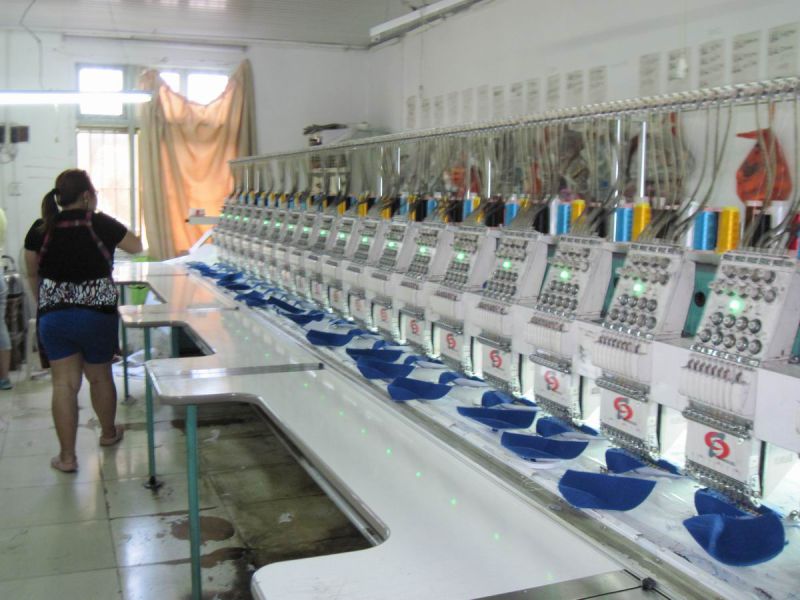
574,89
411,112
650,74
425,113
515,99
553,97
598,85
468,105
746,60
532,97
483,103
438,111
498,102
452,108
711,64
678,70
782,51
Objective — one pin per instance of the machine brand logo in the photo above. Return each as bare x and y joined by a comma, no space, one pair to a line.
414,327
496,358
623,408
451,341
717,446
384,315
551,379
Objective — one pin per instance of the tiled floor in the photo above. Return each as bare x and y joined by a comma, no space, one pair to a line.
99,534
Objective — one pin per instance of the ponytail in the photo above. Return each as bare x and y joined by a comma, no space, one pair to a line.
49,210
70,184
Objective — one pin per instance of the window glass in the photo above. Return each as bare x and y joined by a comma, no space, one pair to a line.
172,79
204,88
93,79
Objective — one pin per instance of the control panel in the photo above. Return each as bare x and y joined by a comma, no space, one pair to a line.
463,271
367,241
343,232
392,247
652,295
519,265
577,278
426,241
752,311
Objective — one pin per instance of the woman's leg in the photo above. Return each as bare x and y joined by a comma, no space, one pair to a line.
66,375
104,396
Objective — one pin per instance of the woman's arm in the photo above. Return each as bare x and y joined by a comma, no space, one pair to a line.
131,243
32,271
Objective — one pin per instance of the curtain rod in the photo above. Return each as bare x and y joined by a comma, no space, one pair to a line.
774,89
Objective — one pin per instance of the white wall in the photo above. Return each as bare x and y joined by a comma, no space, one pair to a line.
296,85
500,42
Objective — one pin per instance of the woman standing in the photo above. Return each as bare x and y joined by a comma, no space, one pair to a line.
70,255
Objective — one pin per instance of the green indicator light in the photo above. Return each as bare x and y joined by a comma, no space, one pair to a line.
342,235
389,451
364,239
565,274
363,431
305,385
392,244
278,224
305,229
266,221
638,288
291,226
506,264
496,537
323,233
418,474
237,217
453,501
461,256
423,249
246,219
736,305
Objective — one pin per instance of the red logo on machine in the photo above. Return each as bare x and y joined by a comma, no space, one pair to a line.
551,379
451,341
384,315
623,408
717,446
414,327
496,358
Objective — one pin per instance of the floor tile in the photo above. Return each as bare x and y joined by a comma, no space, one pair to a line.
25,471
158,539
103,584
240,453
40,442
246,486
51,504
55,549
226,576
125,462
129,497
164,433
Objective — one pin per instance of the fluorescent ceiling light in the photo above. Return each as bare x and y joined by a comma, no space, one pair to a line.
400,25
39,98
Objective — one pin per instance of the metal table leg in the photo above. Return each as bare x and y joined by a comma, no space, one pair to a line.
126,391
152,482
192,474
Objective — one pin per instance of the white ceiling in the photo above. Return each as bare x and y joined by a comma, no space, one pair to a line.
344,22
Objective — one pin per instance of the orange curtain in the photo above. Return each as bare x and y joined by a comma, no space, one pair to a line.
184,149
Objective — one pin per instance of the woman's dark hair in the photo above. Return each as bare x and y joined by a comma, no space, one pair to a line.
70,184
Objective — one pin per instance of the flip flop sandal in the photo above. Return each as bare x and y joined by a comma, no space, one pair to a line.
63,466
113,440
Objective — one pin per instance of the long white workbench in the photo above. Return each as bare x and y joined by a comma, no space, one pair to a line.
451,528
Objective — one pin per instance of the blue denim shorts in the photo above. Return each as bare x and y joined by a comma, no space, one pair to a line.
83,331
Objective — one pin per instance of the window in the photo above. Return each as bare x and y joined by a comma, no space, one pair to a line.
200,87
92,79
106,156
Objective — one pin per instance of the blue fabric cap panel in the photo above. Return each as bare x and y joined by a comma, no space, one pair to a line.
404,388
604,492
738,541
533,447
376,369
494,398
285,306
383,355
499,418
